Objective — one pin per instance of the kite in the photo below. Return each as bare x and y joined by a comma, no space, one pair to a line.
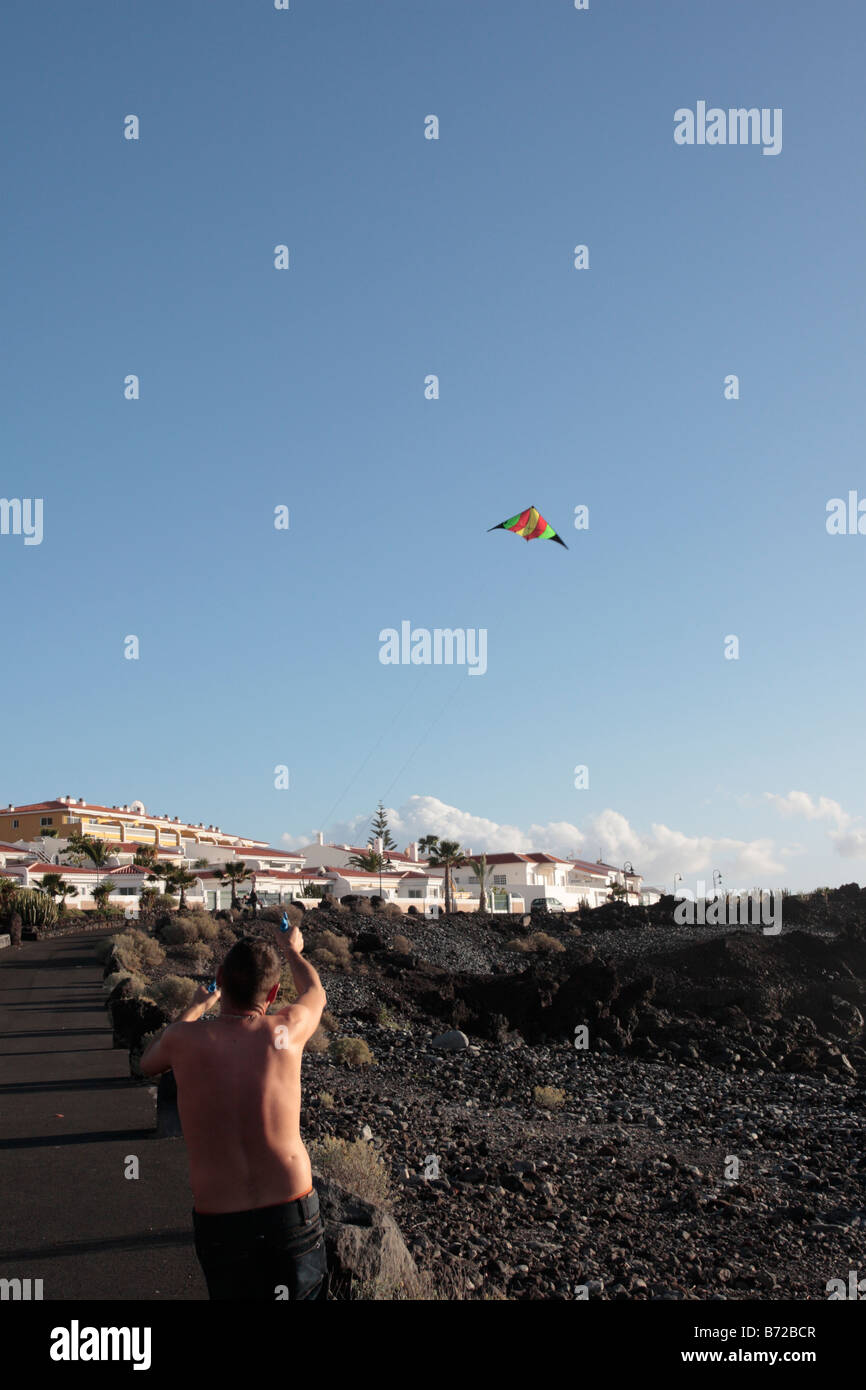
531,525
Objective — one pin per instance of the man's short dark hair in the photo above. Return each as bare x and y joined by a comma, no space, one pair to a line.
250,971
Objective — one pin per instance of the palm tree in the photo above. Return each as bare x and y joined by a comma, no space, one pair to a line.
87,847
177,880
101,893
447,855
235,873
480,870
370,860
54,886
145,857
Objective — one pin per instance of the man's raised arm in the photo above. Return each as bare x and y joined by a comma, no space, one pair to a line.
307,1008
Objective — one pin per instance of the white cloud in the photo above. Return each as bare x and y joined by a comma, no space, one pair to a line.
851,844
657,854
848,838
801,804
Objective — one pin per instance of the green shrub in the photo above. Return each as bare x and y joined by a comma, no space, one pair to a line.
545,945
173,993
355,1166
318,1042
353,1052
326,1100
194,954
548,1097
178,931
326,959
137,983
402,945
136,951
205,926
386,1019
333,951
538,942
108,912
35,909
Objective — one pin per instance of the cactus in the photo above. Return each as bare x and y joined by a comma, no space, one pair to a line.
35,909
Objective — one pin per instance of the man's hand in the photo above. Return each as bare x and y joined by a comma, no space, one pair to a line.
203,998
292,939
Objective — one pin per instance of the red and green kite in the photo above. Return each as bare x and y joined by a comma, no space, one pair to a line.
531,525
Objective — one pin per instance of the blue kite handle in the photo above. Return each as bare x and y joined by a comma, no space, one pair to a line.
284,925
211,989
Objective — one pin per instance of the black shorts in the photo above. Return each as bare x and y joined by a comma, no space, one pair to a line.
264,1255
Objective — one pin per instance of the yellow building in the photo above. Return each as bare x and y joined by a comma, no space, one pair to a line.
118,824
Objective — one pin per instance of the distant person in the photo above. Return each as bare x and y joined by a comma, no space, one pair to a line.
259,1233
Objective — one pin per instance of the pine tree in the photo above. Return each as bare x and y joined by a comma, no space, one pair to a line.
380,830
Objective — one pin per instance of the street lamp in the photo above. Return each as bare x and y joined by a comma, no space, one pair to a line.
627,868
680,877
717,874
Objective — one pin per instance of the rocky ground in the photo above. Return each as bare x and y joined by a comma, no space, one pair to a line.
624,1190
705,1143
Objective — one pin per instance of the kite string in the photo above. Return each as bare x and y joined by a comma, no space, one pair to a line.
461,680
385,730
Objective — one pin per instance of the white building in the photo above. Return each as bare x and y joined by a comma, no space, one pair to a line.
515,880
338,856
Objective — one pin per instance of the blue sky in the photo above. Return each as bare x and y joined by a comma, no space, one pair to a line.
558,387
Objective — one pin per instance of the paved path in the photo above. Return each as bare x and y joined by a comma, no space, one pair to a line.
69,1117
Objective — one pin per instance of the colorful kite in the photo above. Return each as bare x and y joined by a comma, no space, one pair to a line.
531,525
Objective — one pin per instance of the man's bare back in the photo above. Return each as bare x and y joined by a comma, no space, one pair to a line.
239,1099
238,1078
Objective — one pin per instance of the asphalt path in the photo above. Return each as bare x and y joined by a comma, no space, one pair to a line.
70,1119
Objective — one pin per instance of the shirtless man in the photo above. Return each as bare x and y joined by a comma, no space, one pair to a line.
259,1234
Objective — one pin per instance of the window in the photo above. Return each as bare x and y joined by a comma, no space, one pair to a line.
500,878
45,820
415,893
15,825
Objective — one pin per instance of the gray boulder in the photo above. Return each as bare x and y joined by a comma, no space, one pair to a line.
363,1243
453,1041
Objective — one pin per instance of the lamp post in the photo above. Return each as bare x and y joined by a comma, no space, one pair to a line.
680,877
627,868
717,874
